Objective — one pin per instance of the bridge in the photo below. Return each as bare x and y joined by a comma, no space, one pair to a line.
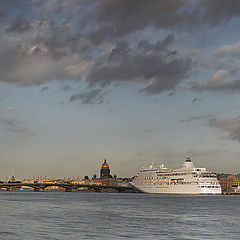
69,187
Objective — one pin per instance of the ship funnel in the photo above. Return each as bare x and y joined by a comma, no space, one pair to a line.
188,163
188,159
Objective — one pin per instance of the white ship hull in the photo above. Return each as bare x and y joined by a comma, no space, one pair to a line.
185,180
178,189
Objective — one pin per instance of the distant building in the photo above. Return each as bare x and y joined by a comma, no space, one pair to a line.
230,183
105,171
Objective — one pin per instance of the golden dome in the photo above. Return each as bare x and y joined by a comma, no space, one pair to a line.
105,165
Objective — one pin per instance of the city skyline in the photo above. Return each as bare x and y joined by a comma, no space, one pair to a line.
134,82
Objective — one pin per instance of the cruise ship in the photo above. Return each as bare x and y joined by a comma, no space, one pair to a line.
185,180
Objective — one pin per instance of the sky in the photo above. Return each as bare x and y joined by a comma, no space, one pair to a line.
134,82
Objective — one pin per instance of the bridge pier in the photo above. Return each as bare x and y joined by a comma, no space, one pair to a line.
70,190
39,190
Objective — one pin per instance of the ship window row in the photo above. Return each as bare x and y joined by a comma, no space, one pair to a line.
160,178
165,175
185,173
155,178
210,186
179,174
167,183
176,183
176,174
207,175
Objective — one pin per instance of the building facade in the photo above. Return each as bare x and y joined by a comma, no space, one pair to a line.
229,183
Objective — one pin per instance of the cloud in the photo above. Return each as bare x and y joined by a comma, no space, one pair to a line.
229,125
219,76
117,18
9,109
14,7
172,53
227,57
93,96
34,70
197,118
120,17
226,60
78,69
170,94
51,9
66,87
15,126
44,89
19,25
159,74
42,50
145,63
65,40
196,100
229,50
218,83
166,76
218,11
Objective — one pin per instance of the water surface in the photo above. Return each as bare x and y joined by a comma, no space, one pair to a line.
87,215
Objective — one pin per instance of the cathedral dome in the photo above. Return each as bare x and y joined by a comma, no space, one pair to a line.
105,165
105,170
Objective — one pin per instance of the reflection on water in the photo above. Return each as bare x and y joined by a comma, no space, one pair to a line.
87,215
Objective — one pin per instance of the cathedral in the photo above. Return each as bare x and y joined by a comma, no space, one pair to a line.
105,171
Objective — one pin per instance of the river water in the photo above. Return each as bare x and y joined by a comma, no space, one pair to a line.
26,215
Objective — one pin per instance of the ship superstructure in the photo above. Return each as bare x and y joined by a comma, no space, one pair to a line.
185,180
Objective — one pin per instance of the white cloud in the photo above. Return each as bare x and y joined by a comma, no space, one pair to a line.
218,82
229,50
9,109
78,69
219,76
228,125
